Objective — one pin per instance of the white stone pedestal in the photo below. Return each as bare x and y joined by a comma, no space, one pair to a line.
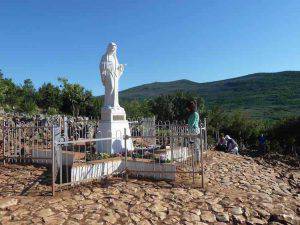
112,125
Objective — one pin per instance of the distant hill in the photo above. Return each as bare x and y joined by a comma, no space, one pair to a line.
262,95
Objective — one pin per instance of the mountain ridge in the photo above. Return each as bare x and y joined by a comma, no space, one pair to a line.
258,94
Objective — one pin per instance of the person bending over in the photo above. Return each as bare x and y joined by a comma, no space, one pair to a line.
232,146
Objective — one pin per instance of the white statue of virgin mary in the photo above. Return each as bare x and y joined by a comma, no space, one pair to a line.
113,123
111,71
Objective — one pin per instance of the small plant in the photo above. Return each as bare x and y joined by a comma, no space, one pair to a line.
97,156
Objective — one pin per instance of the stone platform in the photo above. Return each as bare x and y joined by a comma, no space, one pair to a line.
113,125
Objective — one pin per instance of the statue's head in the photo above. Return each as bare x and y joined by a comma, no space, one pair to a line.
112,47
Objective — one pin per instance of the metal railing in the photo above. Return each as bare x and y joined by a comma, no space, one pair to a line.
171,143
163,149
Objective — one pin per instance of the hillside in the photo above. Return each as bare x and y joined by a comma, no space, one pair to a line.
262,95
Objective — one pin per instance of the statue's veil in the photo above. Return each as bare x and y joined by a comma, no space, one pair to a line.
114,54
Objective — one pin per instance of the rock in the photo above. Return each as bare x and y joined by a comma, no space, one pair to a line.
45,213
226,202
53,220
86,192
161,215
190,217
78,197
157,207
196,193
249,213
223,217
144,222
8,202
87,202
77,216
267,206
137,208
285,218
239,219
135,217
111,218
173,213
92,222
54,200
20,212
217,208
207,216
256,221
196,211
70,222
237,211
263,213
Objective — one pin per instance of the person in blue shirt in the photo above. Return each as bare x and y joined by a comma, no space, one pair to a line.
262,143
193,126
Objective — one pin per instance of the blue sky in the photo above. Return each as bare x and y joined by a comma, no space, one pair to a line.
159,40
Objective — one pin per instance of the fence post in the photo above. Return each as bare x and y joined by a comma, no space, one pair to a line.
3,142
202,166
125,145
205,133
193,159
53,162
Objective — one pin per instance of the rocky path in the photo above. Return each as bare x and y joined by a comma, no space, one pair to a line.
238,190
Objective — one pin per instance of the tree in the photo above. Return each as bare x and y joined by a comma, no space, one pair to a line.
74,97
242,128
137,109
86,106
284,136
217,119
162,107
173,106
28,97
8,93
49,97
93,108
12,94
2,89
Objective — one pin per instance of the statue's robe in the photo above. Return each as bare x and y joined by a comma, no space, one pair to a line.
111,71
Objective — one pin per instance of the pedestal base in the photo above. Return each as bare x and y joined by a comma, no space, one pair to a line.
112,125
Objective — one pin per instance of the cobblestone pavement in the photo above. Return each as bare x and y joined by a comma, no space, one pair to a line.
239,190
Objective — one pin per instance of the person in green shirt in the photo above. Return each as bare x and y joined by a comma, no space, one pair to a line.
193,120
193,126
